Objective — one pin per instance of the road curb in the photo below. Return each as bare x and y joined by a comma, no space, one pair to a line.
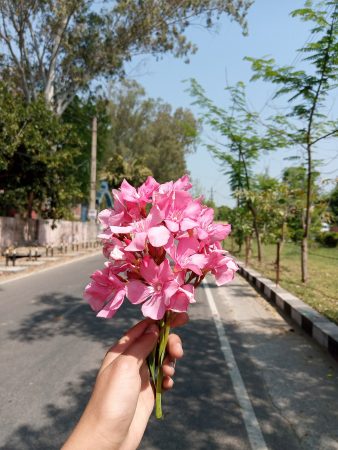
321,329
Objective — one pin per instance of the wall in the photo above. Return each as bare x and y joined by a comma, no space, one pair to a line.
16,231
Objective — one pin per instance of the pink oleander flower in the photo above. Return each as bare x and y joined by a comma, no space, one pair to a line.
186,257
157,289
208,231
160,243
105,293
180,210
113,248
146,227
223,267
182,184
149,228
140,196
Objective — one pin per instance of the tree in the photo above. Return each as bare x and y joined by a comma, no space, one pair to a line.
268,197
295,179
308,90
79,116
146,137
243,142
37,170
223,213
118,169
333,204
241,225
57,47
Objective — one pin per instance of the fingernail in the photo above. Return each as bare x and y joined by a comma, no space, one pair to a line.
152,328
173,364
179,348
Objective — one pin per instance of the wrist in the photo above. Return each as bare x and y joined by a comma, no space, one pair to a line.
90,434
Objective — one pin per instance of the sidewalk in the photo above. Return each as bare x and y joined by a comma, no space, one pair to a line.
318,327
25,266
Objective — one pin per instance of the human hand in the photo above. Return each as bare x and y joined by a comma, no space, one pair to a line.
118,411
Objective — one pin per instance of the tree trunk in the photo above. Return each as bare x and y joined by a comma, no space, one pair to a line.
304,259
248,249
30,198
307,218
259,245
258,237
279,244
256,229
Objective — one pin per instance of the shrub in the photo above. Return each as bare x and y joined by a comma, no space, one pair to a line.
328,239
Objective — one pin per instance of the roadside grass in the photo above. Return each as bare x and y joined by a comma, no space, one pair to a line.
320,292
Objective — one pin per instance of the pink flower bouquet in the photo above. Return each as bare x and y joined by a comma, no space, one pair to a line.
160,243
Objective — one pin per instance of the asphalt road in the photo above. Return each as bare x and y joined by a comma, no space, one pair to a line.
248,380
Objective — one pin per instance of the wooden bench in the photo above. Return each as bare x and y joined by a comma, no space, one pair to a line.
13,256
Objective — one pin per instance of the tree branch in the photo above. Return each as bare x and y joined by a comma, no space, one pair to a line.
15,59
35,47
331,133
64,100
48,91
19,27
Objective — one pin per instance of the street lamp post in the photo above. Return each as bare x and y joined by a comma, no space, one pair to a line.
92,199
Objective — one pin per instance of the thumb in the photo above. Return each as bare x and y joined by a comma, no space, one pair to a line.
144,345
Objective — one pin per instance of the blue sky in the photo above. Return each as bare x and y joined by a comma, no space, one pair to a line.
219,58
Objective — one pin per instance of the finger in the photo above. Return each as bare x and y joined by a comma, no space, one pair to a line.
168,383
178,319
143,346
174,347
168,367
124,342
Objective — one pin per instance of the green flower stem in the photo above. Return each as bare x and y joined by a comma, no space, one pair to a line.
158,397
162,344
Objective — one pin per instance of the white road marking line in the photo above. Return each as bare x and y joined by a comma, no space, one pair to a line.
253,429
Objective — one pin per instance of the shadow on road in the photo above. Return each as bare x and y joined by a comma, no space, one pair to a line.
59,420
202,412
197,412
61,314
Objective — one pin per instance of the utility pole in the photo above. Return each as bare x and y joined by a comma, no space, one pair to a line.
92,200
212,194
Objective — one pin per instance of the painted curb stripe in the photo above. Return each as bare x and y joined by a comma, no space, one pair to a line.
311,326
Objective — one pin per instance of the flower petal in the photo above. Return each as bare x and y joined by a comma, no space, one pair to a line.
218,232
121,230
164,271
128,192
223,275
112,306
188,224
199,260
187,247
158,236
138,292
172,225
149,270
169,289
179,302
104,216
154,217
154,308
138,243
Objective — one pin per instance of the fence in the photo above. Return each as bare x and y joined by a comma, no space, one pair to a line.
18,232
